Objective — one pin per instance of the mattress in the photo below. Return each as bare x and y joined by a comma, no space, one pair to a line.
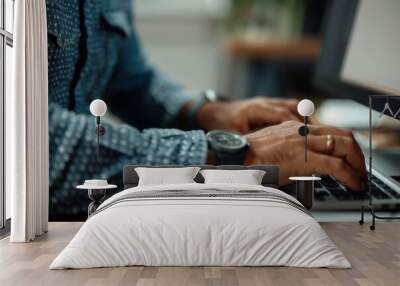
201,225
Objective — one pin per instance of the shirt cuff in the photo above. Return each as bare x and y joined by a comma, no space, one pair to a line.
173,146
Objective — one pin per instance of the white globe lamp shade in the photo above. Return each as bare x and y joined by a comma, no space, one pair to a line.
98,107
305,107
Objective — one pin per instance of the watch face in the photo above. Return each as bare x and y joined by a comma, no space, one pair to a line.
223,141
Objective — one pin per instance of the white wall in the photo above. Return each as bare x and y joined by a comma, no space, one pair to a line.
184,39
181,7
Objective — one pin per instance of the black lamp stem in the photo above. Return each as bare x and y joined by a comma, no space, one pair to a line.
98,138
305,137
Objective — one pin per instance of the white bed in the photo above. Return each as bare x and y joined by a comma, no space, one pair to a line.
223,225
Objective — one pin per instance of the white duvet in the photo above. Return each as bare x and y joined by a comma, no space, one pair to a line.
185,231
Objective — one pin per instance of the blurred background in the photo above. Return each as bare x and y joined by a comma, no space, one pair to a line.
241,48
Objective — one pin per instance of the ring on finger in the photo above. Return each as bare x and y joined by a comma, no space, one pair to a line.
330,143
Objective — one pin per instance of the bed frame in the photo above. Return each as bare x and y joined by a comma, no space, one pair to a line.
271,177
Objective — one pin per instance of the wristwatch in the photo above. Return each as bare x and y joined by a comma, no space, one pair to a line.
229,148
208,95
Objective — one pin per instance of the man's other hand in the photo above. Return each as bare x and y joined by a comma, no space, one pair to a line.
282,145
247,115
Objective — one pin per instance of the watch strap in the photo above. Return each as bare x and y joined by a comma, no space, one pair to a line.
208,95
197,103
231,158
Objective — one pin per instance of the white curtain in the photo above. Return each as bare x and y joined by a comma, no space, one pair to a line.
27,124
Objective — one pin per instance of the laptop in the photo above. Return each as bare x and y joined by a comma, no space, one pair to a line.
341,74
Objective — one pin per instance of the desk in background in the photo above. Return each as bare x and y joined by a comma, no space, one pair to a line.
270,67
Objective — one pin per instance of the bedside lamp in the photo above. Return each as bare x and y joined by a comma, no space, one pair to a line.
305,184
305,109
97,188
98,108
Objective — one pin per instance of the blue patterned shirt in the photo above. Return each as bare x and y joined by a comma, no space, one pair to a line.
94,53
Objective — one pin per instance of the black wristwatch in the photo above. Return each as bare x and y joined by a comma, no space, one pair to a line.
229,148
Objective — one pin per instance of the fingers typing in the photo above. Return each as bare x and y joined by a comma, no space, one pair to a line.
341,147
329,165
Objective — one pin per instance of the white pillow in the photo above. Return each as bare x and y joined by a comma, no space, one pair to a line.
164,176
248,177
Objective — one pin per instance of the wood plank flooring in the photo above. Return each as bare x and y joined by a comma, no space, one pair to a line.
375,257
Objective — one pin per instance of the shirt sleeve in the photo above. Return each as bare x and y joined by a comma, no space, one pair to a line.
73,153
140,94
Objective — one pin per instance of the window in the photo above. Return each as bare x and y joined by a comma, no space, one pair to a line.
6,43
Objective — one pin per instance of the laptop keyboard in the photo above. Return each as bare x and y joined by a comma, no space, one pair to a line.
328,186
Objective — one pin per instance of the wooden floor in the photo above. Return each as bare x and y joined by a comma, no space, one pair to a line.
375,257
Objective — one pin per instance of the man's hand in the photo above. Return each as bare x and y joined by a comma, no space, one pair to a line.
282,145
246,115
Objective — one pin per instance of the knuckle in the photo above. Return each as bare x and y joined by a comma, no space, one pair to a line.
293,150
348,133
243,109
352,143
238,124
292,122
285,124
317,129
338,164
285,113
